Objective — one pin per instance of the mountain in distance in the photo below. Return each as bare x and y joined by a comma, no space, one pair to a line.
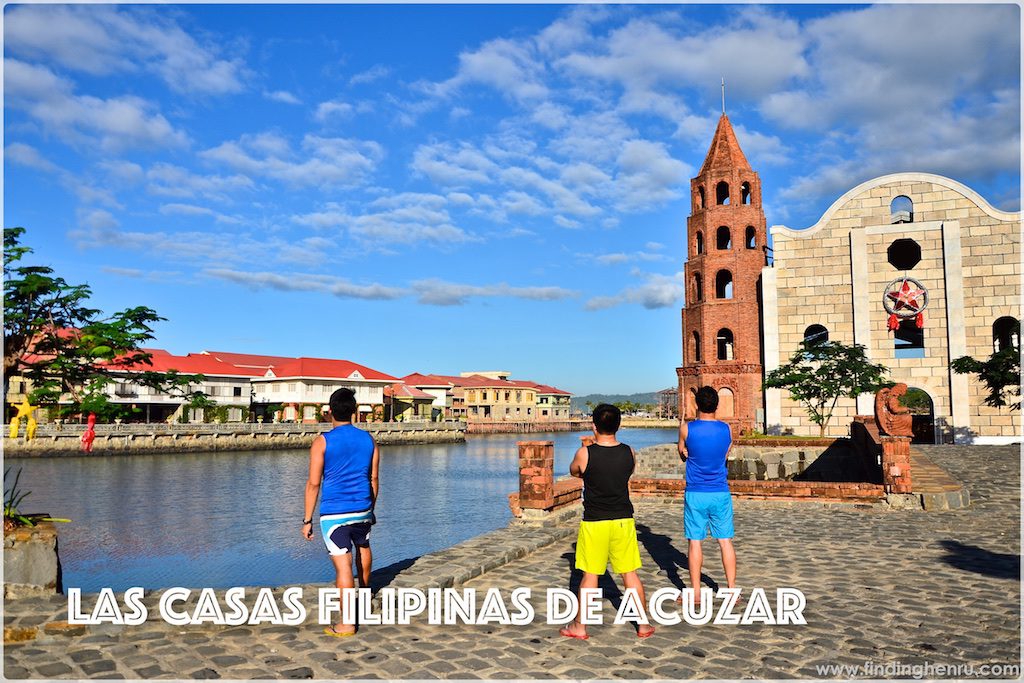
579,403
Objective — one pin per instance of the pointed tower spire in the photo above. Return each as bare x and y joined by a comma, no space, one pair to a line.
725,153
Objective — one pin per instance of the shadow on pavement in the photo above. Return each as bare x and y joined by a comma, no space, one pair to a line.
971,558
669,558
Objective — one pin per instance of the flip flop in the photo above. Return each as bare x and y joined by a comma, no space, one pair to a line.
645,635
564,631
331,632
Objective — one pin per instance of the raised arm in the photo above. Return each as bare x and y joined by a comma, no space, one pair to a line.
579,462
316,473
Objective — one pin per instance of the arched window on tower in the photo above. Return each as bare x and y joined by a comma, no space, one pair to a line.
695,347
815,334
901,210
700,196
751,237
723,238
1005,333
725,403
745,192
724,341
698,288
722,193
700,242
723,285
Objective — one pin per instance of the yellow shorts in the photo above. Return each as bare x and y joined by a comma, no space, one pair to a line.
608,539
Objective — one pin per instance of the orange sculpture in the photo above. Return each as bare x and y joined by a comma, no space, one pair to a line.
893,419
89,435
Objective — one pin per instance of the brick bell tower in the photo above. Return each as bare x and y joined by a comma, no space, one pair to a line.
726,237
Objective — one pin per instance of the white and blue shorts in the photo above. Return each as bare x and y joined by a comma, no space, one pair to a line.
342,531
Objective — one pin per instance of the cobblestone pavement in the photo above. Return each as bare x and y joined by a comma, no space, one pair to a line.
882,586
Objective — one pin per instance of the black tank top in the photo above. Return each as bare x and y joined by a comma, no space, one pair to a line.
606,483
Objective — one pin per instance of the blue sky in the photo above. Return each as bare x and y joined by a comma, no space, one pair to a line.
465,187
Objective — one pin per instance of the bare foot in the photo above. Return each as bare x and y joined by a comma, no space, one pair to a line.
342,630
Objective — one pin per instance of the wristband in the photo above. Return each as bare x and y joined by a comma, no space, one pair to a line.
307,521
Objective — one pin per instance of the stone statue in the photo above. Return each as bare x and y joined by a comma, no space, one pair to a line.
89,435
893,418
26,411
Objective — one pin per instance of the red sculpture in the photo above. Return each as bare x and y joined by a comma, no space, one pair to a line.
893,419
89,435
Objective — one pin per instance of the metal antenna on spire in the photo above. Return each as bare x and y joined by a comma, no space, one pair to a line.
723,94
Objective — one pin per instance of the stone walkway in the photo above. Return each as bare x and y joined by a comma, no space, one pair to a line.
882,586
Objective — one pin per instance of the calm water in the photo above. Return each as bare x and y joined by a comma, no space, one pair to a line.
233,519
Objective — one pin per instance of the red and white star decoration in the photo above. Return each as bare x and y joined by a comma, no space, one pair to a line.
908,300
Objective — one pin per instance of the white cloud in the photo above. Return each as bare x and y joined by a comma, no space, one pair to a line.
305,282
441,293
116,123
28,156
282,96
102,40
332,109
648,175
322,162
658,291
193,210
174,181
374,73
453,165
510,67
406,218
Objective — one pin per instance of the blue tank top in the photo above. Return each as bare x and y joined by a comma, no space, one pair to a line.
347,461
707,442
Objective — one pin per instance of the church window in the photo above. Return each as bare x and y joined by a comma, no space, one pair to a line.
904,254
700,242
698,288
725,344
745,192
695,350
723,239
815,334
723,285
909,340
700,197
1005,333
901,210
722,193
751,237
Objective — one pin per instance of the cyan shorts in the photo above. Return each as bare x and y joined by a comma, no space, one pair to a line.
707,508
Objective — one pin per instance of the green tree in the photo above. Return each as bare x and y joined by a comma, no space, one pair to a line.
1000,374
56,340
819,374
917,401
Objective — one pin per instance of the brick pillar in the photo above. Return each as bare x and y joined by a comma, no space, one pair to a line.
536,474
896,464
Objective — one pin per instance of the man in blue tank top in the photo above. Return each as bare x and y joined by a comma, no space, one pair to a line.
704,445
345,460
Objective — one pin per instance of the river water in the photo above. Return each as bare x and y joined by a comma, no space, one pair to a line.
233,519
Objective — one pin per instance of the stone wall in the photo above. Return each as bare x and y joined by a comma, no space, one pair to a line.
31,563
139,439
836,461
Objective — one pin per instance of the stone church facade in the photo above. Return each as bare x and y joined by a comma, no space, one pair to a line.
924,232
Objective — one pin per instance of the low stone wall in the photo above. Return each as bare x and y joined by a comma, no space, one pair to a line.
31,563
834,460
524,427
649,423
141,439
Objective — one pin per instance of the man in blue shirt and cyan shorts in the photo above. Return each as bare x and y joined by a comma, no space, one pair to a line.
346,459
704,445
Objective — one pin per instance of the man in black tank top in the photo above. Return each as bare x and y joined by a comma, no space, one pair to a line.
607,532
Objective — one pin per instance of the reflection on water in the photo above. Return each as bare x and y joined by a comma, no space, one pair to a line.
233,519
